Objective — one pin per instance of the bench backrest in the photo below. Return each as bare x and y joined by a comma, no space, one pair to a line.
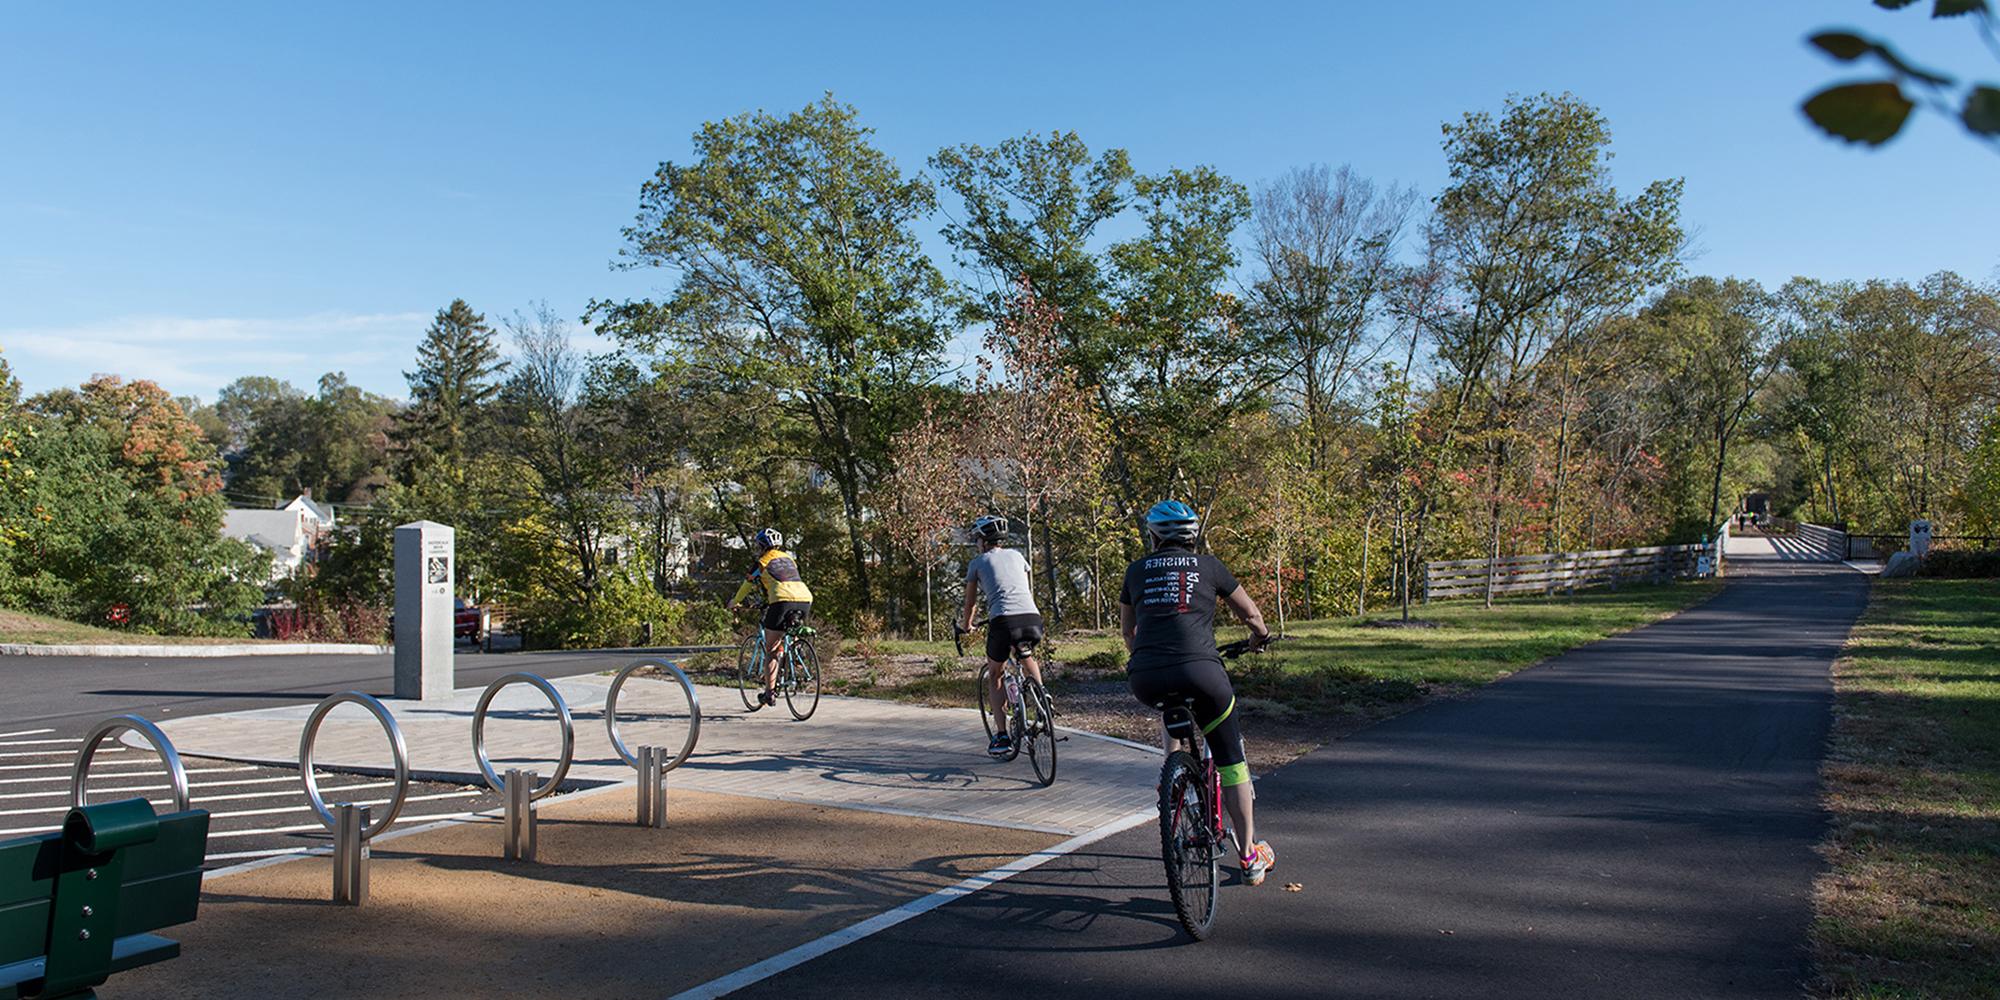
78,905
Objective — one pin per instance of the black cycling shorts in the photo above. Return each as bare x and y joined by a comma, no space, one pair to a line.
1214,706
1008,631
781,615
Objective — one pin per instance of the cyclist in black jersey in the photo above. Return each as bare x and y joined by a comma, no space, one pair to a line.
1167,612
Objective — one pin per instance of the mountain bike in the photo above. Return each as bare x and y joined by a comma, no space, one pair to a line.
1193,829
798,673
1031,713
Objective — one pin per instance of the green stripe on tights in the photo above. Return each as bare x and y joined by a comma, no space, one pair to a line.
1205,730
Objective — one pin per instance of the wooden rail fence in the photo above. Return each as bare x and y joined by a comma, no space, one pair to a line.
1553,571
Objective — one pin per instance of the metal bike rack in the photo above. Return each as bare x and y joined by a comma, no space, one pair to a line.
348,821
176,774
520,787
652,762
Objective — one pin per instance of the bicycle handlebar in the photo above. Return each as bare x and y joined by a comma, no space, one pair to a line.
958,634
1250,645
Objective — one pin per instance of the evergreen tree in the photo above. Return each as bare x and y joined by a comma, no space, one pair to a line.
458,367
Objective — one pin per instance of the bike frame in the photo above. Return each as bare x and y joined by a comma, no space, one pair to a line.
1212,780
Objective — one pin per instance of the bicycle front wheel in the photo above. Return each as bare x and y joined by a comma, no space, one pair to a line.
802,682
1187,844
1041,730
750,669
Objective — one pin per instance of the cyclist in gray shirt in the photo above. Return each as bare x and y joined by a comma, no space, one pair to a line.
1013,621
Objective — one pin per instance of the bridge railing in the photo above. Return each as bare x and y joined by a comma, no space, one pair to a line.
1549,572
1831,541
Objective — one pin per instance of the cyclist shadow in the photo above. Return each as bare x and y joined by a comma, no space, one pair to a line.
874,767
1077,895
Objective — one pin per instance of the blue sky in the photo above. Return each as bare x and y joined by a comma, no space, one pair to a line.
193,193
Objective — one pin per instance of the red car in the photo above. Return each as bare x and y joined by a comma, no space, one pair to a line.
465,620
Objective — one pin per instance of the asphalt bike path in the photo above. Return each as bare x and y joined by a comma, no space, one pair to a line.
1635,818
71,693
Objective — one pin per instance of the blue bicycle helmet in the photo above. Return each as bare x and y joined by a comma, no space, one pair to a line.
768,539
1173,521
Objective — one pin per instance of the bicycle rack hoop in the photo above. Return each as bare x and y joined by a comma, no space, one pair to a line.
176,773
397,749
555,697
611,713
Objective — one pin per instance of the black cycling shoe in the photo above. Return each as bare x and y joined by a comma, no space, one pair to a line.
999,747
767,698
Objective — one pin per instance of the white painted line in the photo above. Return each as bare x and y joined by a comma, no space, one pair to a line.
103,794
880,922
430,823
25,732
197,770
136,761
30,743
51,753
27,830
1148,747
302,807
262,854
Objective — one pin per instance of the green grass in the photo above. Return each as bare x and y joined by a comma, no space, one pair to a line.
41,630
1910,906
1335,663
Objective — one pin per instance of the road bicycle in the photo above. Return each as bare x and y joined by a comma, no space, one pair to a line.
1193,829
798,673
1031,713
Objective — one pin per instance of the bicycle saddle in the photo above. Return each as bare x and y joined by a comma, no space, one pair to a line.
1179,719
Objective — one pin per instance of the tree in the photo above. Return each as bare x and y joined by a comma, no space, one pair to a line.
553,435
1032,206
127,512
1715,340
1184,363
457,375
800,278
1873,112
1036,433
281,442
1326,242
1532,237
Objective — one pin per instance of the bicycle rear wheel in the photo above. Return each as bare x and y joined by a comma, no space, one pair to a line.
750,669
802,682
1187,844
1041,726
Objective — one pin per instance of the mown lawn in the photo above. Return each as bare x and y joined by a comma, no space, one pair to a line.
1910,906
41,630
1331,663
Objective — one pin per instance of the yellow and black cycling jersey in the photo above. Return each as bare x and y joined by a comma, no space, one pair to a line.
777,573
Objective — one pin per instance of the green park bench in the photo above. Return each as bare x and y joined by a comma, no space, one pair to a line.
79,905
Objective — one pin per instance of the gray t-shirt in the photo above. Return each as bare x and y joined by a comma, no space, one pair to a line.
1003,575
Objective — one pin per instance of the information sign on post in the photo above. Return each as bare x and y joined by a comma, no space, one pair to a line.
424,610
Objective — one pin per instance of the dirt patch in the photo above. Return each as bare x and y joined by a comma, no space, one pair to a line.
611,909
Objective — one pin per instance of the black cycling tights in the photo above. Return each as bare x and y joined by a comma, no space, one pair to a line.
1214,708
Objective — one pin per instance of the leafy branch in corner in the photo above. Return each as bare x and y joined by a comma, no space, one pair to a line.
1874,111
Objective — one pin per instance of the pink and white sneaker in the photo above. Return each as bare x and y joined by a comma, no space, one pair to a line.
1259,862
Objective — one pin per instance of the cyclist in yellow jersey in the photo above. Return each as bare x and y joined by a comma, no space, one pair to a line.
787,601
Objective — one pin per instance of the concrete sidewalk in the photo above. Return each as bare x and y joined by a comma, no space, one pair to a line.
610,910
854,753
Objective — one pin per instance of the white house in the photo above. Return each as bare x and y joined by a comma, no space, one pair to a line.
289,533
